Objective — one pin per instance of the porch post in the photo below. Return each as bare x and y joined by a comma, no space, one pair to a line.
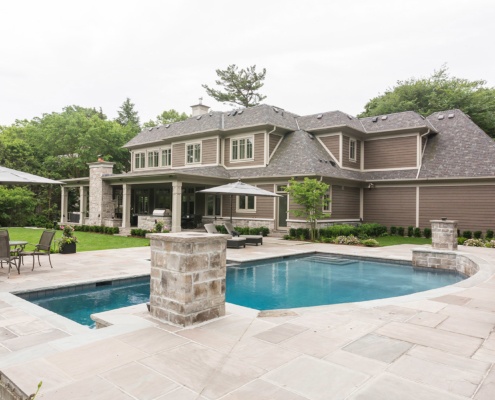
83,202
176,206
126,205
64,205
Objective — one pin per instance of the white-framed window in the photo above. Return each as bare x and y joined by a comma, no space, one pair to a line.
139,160
166,157
193,153
352,149
153,157
327,207
246,204
242,149
213,205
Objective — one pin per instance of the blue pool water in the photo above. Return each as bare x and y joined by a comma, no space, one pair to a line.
264,285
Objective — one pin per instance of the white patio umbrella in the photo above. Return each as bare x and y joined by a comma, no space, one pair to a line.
238,189
11,176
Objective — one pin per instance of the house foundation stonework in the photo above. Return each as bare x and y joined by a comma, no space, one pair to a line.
188,272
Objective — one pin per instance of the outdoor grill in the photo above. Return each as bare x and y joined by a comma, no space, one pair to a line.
160,212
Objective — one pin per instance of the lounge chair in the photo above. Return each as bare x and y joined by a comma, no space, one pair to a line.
250,239
6,254
43,248
232,243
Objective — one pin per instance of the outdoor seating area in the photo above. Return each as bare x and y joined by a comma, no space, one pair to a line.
250,239
232,242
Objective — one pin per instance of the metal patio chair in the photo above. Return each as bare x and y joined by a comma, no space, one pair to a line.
6,254
43,248
250,239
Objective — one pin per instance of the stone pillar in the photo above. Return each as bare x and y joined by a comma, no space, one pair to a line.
176,206
444,234
83,202
126,205
64,202
100,200
188,271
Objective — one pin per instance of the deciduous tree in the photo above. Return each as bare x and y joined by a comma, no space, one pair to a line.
166,117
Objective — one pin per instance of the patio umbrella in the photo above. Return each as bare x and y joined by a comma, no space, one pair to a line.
238,189
11,176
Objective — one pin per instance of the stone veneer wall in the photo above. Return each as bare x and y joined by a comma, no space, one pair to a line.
443,259
101,205
444,234
188,272
148,222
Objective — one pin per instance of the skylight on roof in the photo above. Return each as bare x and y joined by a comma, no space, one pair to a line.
441,116
374,119
319,116
150,129
167,126
198,117
451,115
384,117
275,109
240,111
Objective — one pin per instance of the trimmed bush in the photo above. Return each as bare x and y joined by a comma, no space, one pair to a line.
417,232
400,231
489,234
467,234
393,230
373,229
370,243
427,233
491,244
410,231
292,232
349,240
474,243
461,240
477,234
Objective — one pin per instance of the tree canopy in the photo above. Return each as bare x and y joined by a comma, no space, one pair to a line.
239,86
127,116
439,92
166,117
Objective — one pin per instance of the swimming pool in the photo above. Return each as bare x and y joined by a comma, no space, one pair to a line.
288,282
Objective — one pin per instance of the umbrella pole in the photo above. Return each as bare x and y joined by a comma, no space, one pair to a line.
230,208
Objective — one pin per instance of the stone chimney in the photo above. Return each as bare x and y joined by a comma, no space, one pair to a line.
199,109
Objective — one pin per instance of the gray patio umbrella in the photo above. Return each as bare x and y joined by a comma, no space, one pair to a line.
11,176
238,189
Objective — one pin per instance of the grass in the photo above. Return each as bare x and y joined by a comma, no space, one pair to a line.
87,241
394,240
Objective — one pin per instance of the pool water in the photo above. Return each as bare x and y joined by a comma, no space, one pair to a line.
265,285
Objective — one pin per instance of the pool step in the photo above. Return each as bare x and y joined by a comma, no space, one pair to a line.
330,260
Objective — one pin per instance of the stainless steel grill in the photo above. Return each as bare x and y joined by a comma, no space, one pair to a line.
159,212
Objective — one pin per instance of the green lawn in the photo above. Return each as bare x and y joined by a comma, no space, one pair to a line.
87,240
393,240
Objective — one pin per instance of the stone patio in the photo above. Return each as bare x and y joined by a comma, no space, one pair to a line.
436,345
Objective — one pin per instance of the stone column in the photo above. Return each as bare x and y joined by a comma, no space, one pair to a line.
64,216
83,202
188,271
444,234
176,206
100,200
126,205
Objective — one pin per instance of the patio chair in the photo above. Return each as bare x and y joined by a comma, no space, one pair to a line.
232,243
6,254
250,239
43,248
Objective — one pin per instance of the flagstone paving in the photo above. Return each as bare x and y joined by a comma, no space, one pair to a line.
437,345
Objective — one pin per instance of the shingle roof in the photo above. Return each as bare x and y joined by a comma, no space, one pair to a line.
260,115
329,120
401,120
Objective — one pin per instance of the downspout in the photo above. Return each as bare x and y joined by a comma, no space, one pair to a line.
423,152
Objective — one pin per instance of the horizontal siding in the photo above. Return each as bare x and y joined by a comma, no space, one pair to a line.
293,206
274,139
472,206
209,150
390,153
390,206
264,206
258,149
178,155
332,143
345,203
346,162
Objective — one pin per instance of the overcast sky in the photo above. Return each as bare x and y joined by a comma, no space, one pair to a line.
319,55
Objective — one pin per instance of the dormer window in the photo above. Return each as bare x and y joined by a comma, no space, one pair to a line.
139,160
352,150
193,153
242,149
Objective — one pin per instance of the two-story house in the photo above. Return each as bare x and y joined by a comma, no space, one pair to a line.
399,169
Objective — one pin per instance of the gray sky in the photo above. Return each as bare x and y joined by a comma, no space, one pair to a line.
319,55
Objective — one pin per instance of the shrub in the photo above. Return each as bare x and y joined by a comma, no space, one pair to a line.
489,234
303,233
372,230
221,229
287,237
474,243
400,231
491,244
370,243
410,231
349,240
461,240
393,230
477,234
292,232
427,233
467,234
417,232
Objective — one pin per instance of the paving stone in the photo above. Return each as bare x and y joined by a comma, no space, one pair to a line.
280,333
152,340
425,318
467,327
487,388
314,344
452,299
356,362
23,342
181,394
469,313
261,390
378,347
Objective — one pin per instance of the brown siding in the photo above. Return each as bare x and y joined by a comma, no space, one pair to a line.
394,206
346,162
178,155
332,143
264,206
390,153
293,206
258,149
273,141
472,206
345,203
209,150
